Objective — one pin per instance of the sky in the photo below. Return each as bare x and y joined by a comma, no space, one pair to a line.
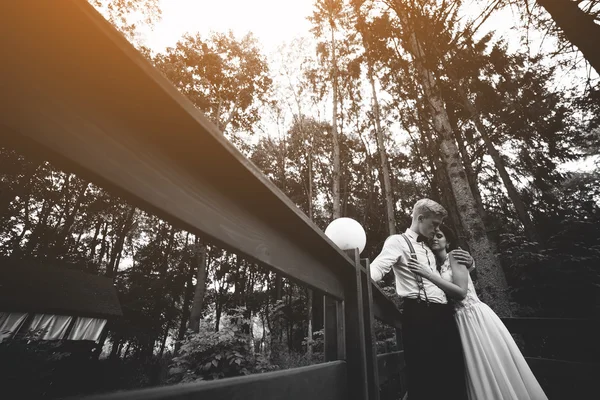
274,22
271,21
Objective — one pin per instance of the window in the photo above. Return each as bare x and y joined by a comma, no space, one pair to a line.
10,323
87,329
52,327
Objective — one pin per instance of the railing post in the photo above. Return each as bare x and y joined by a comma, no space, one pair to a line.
335,348
400,347
354,324
369,319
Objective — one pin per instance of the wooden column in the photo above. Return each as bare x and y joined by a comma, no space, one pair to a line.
334,329
369,319
354,323
400,347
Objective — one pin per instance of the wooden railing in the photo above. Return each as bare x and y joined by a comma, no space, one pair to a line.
569,330
76,93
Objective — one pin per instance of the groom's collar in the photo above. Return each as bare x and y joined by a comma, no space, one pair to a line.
415,236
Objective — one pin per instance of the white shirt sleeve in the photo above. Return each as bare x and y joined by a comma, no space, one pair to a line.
382,264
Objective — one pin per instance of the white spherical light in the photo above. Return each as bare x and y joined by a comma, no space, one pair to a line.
347,234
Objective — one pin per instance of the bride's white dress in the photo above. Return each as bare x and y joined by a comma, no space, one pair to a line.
496,369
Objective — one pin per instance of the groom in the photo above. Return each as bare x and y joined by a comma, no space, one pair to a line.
432,346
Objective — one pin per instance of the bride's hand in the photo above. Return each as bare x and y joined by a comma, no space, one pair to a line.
418,268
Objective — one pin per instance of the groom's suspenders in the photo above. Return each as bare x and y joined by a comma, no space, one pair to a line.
417,277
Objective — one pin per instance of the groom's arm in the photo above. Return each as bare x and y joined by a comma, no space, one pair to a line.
383,263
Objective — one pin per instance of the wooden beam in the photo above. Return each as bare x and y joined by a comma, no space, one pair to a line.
316,382
355,325
369,321
384,309
390,364
78,94
543,367
553,326
333,329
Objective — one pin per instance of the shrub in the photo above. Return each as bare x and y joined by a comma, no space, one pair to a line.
209,355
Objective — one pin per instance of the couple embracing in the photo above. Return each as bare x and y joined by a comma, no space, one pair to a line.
457,349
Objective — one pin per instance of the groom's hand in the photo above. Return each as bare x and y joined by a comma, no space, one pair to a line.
463,257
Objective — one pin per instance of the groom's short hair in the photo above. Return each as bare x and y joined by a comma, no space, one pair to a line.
427,208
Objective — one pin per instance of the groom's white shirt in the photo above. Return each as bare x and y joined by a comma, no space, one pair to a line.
395,254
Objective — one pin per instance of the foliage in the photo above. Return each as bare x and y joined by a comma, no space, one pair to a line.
32,368
228,79
129,15
571,255
209,355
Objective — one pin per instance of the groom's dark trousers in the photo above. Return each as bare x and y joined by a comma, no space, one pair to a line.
433,352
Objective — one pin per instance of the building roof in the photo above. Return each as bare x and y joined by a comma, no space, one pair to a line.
29,287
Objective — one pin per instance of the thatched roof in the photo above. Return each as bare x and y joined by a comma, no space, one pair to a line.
27,287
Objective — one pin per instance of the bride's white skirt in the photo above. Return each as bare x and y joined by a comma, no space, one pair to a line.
496,369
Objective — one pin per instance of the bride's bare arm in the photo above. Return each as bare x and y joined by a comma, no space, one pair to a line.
457,289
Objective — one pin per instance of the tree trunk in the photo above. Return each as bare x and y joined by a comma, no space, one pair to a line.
336,175
22,185
317,314
16,245
103,245
383,160
78,240
95,238
448,199
513,193
167,253
491,279
238,283
309,334
39,229
578,26
290,321
196,311
440,184
219,310
278,286
64,194
164,342
117,250
467,163
62,240
115,350
187,298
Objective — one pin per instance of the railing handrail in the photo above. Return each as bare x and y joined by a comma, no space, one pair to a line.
140,137
98,108
552,326
123,138
320,381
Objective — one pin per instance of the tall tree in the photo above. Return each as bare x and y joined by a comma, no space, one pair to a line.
416,25
201,262
327,15
364,28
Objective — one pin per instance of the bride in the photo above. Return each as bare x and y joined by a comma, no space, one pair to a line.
495,367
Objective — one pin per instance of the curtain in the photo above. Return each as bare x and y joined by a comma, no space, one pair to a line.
87,329
53,327
10,324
